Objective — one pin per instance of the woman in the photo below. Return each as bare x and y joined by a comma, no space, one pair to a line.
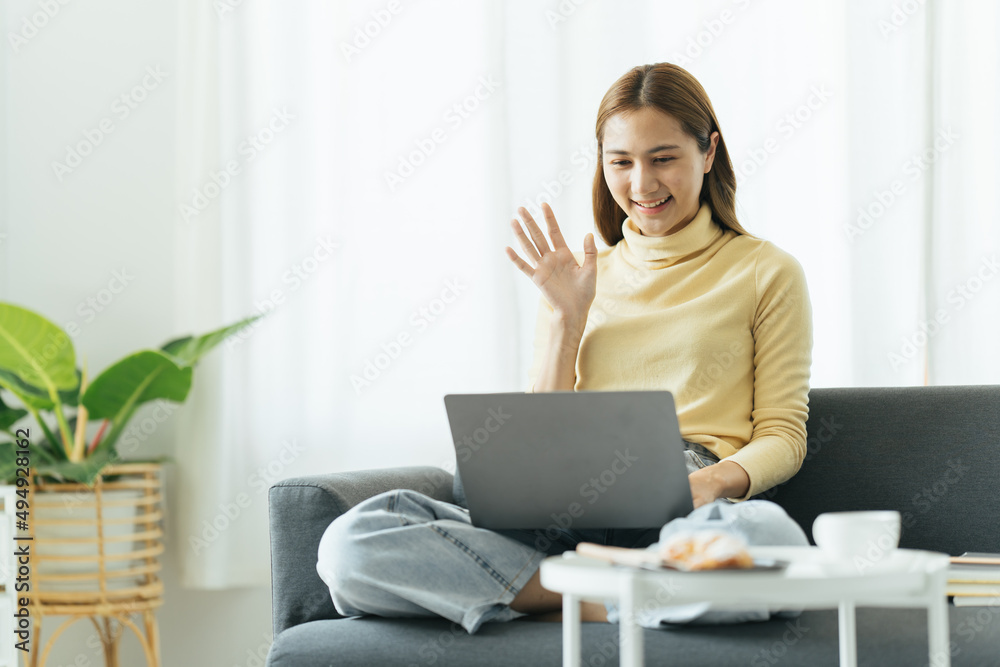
684,299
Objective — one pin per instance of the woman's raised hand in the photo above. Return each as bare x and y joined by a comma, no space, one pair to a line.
568,287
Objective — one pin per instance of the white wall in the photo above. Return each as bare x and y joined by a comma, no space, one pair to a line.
65,239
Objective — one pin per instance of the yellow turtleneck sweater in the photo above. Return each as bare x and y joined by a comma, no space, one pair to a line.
721,320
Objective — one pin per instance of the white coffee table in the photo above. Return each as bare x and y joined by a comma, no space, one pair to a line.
812,580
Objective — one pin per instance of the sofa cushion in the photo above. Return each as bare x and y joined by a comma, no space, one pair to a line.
885,637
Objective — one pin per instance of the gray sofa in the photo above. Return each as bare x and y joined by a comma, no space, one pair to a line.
933,453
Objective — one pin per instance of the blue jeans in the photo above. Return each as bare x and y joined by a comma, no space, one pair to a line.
401,553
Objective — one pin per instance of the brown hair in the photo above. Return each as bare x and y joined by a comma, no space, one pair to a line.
672,90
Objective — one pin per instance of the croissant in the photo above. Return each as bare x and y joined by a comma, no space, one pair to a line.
707,550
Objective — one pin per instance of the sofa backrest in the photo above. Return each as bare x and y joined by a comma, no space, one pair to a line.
932,453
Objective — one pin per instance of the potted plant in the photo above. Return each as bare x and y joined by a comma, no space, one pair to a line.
38,367
106,518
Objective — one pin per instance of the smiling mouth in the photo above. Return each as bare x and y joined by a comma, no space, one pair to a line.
659,203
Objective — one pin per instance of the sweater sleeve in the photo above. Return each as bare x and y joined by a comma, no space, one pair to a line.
543,321
542,326
783,339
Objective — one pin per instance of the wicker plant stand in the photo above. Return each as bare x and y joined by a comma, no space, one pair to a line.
112,573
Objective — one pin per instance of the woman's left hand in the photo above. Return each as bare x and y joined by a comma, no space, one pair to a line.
702,487
724,479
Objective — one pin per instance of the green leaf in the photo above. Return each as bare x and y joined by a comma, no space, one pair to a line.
9,416
36,350
38,397
8,463
50,443
139,377
46,452
39,457
33,407
85,471
27,395
189,349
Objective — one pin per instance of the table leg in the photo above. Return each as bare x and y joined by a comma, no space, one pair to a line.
848,635
939,632
571,630
630,632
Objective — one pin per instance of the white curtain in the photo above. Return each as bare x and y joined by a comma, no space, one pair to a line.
354,167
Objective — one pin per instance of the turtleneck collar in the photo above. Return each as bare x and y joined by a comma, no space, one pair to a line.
657,252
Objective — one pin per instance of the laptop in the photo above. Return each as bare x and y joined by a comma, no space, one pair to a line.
570,459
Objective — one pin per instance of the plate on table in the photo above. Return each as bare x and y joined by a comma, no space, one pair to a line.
646,559
759,565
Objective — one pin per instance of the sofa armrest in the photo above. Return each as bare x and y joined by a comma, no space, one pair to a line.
299,511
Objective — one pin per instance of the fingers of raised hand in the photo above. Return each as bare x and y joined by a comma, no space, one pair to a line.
518,262
550,221
541,243
529,249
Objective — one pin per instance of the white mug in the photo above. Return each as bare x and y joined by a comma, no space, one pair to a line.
868,534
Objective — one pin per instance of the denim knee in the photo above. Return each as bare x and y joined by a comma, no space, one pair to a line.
759,522
357,558
341,555
766,523
397,553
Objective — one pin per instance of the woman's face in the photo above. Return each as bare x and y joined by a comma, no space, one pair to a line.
648,158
